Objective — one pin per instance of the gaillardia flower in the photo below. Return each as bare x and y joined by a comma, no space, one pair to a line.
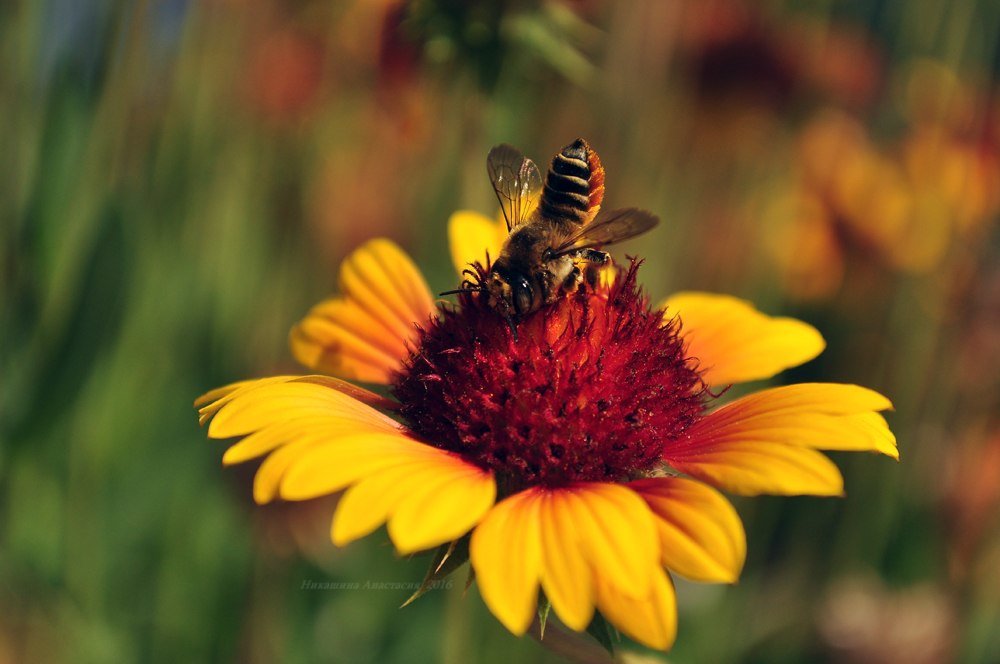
581,456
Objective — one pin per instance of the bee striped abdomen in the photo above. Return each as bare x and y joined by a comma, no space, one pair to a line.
574,185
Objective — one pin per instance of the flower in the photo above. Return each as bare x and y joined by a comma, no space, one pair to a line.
901,206
584,455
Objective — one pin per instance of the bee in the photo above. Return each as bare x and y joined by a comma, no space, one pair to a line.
555,231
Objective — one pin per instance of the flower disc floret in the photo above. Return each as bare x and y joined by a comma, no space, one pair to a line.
589,389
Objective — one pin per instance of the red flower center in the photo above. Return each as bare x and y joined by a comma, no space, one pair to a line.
591,389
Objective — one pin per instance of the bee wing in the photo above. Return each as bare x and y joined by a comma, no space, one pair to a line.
516,182
608,228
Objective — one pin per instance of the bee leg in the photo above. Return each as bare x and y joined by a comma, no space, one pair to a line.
573,281
594,261
595,257
592,274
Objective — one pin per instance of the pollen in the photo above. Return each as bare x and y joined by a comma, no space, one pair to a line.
590,388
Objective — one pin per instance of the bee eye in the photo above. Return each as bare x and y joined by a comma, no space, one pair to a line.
522,298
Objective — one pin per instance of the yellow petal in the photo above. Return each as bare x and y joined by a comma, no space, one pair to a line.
826,416
279,411
858,432
650,620
328,467
427,500
267,479
766,442
472,236
272,437
354,457
452,498
366,333
368,504
506,555
733,342
287,416
566,576
224,392
352,317
831,398
271,403
366,397
383,280
617,534
209,403
427,495
752,469
330,345
701,536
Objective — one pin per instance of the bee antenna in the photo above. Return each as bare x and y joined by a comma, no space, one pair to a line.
460,290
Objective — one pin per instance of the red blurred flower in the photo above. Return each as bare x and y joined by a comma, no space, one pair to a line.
285,73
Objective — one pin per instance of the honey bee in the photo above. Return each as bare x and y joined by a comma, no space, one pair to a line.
555,232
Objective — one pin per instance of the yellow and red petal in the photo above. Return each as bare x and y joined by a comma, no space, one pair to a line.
444,498
752,469
320,440
506,555
427,496
701,535
733,342
209,403
651,620
766,442
366,333
285,415
566,574
617,534
341,338
567,539
472,235
271,403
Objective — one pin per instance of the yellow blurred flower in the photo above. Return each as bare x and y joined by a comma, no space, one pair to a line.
475,237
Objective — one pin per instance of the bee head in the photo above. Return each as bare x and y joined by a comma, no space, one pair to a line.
510,292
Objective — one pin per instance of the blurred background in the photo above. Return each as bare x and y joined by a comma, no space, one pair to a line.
180,179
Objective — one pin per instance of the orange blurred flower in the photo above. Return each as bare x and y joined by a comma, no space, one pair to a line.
285,73
900,206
